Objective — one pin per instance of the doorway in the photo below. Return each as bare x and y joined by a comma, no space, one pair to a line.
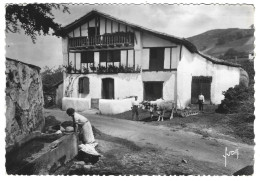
108,88
153,90
200,84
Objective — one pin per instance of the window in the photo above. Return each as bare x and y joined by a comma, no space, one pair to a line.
156,59
87,57
84,85
153,90
110,56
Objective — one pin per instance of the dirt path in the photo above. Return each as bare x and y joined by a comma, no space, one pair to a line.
204,155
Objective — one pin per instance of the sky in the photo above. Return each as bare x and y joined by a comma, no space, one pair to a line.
178,20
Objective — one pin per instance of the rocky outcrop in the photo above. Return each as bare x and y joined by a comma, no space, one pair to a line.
24,101
244,78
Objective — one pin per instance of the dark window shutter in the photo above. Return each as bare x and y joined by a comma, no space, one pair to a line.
116,56
103,56
87,57
80,85
110,57
156,59
85,85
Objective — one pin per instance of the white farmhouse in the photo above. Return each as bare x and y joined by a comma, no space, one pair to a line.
107,58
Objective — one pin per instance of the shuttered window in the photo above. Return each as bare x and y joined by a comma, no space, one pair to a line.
84,85
110,56
156,59
87,57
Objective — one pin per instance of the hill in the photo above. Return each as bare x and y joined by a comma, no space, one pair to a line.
217,42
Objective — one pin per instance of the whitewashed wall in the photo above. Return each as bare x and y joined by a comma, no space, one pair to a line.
125,85
115,106
149,40
191,64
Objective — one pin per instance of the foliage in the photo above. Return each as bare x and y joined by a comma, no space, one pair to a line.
239,99
248,66
93,68
50,77
32,18
101,69
69,67
85,70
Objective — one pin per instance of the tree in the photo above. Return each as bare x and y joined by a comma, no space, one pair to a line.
32,18
51,76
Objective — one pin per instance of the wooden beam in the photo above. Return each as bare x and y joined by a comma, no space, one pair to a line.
163,70
80,65
161,47
111,26
80,31
75,61
134,58
118,27
95,50
105,25
170,58
180,53
68,58
127,58
95,26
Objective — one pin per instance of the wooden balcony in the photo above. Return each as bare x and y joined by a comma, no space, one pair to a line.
102,41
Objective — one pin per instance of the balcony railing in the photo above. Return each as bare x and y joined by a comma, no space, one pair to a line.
116,39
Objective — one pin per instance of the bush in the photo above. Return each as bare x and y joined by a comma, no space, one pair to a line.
239,99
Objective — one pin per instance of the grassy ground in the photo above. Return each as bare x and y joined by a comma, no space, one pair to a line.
209,124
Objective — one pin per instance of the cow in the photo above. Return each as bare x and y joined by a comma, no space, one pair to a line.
159,106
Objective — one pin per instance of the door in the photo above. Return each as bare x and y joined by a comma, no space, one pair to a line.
200,85
153,90
94,103
108,88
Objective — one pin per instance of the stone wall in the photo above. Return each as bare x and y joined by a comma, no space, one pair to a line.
24,101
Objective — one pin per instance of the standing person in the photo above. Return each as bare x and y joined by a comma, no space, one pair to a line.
84,125
201,101
134,107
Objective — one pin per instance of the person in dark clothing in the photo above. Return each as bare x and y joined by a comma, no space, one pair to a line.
201,101
135,105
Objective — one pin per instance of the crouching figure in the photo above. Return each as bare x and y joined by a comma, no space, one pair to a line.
82,123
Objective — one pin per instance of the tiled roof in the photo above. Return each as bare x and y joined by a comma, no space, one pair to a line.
191,47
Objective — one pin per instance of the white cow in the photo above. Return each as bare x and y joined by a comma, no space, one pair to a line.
161,106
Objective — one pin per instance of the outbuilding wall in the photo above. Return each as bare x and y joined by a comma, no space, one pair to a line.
192,64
